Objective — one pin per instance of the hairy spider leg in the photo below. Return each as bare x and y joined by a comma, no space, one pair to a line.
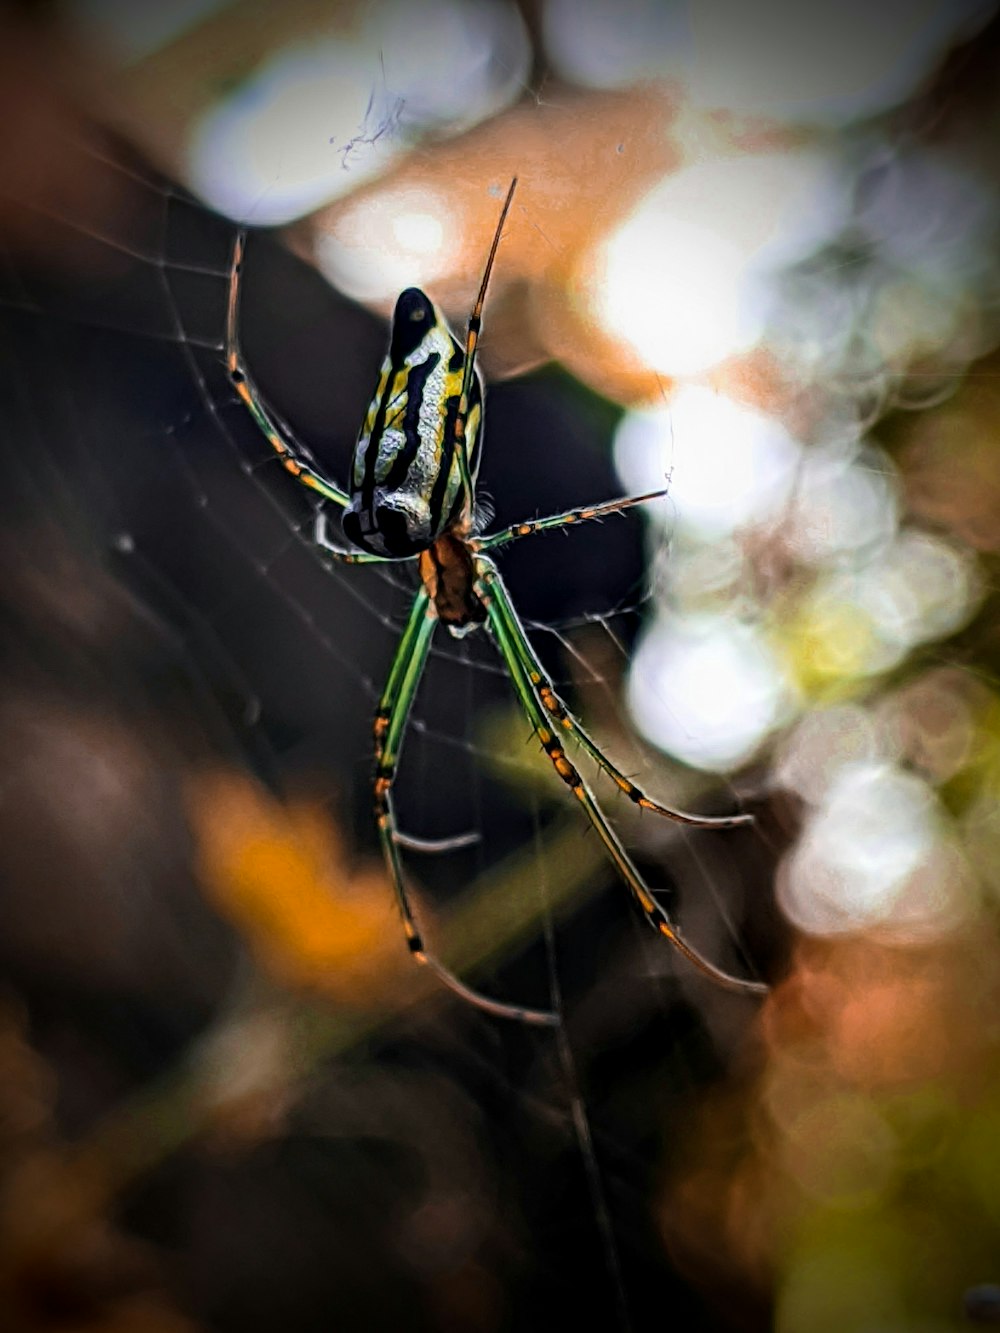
292,455
471,344
564,520
557,710
390,727
523,667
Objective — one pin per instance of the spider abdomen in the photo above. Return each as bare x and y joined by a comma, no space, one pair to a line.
406,486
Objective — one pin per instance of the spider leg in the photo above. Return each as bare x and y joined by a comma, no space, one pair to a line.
432,846
520,665
390,727
563,520
471,344
292,455
542,687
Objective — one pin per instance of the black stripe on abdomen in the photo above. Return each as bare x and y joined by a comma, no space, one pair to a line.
447,457
416,382
371,453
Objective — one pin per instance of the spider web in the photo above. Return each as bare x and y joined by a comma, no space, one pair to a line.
160,569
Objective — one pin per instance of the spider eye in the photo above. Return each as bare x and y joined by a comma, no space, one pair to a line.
412,304
413,315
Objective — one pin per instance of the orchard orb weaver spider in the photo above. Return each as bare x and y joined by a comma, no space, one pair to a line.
412,497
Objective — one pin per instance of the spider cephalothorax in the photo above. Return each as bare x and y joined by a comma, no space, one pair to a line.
413,496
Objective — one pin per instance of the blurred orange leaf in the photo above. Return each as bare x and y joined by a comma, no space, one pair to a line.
281,875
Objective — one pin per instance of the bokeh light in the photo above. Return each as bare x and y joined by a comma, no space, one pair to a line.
830,66
452,63
726,464
680,281
873,854
932,720
706,688
900,294
865,620
845,502
311,125
611,45
318,119
383,243
822,64
813,753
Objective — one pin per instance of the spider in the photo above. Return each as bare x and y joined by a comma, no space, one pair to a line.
412,497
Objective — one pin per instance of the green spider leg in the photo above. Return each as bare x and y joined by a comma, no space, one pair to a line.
569,516
532,689
544,691
391,719
471,344
292,455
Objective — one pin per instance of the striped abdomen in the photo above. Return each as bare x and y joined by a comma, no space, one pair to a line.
405,478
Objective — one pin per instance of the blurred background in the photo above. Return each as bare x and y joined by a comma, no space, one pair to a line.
753,258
